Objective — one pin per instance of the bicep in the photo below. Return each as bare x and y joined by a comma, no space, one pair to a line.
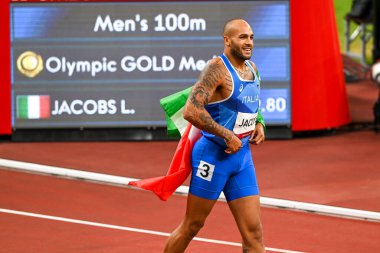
206,85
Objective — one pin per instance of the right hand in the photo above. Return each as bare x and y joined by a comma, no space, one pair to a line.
234,144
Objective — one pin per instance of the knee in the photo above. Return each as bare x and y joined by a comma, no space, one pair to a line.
253,235
193,227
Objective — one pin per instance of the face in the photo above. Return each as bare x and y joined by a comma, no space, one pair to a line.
241,42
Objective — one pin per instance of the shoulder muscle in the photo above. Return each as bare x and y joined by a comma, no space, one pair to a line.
212,75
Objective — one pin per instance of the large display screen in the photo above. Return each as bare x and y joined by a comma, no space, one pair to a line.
109,64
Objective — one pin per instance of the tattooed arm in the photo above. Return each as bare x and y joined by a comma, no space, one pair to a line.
209,88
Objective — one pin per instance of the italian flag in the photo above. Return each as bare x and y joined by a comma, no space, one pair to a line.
180,166
179,169
173,106
33,107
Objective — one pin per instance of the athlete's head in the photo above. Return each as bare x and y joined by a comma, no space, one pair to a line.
238,39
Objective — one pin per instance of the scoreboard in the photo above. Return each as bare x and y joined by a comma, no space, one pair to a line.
108,64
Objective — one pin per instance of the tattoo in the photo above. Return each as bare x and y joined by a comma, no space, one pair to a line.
213,78
246,73
199,97
241,72
229,87
227,78
209,123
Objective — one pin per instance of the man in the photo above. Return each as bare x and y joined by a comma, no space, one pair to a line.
224,103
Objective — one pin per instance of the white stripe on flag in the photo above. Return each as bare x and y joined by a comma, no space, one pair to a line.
33,107
179,121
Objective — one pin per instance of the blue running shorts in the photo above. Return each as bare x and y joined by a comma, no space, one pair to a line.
215,171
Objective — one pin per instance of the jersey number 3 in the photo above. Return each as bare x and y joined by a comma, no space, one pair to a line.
205,170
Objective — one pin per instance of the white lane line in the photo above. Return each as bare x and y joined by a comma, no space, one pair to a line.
123,181
130,229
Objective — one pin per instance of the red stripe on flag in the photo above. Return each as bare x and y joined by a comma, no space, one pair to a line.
179,168
44,107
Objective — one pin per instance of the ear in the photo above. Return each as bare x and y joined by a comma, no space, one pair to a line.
227,41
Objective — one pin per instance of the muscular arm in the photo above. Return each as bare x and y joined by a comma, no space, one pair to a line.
205,90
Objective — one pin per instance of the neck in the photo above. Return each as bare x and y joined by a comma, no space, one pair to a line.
237,63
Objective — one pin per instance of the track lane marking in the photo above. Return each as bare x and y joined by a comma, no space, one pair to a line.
123,181
130,229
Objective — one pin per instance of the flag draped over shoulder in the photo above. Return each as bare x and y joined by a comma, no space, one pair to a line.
180,166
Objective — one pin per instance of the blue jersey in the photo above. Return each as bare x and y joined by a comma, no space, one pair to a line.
238,112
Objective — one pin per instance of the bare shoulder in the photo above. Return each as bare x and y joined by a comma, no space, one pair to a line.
212,85
215,62
213,73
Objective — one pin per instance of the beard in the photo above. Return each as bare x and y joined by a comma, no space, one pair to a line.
238,52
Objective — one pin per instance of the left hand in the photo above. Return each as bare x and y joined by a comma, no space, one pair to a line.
258,135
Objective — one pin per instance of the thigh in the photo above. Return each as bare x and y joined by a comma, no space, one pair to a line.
246,212
197,208
211,169
243,182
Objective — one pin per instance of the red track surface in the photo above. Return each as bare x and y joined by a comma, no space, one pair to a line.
340,170
139,209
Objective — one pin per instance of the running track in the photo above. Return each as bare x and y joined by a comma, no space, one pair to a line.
129,209
340,170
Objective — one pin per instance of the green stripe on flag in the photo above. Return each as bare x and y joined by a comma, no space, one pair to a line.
172,105
258,75
260,119
22,107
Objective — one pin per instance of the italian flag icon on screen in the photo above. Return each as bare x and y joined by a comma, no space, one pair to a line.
33,107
